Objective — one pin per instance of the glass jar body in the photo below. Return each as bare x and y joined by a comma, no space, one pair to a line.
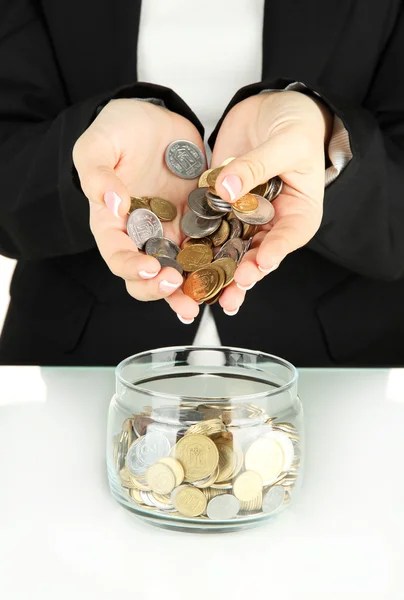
205,439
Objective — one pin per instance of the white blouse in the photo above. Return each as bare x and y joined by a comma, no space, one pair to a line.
206,51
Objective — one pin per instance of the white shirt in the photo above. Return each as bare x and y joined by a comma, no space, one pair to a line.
206,51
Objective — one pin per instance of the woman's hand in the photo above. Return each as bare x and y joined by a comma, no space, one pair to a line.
120,155
277,133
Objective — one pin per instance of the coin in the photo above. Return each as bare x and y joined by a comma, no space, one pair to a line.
208,481
213,493
220,283
145,451
198,227
138,202
143,224
236,227
190,502
260,216
185,159
194,257
229,266
164,209
227,161
252,505
176,467
135,495
201,283
266,457
274,189
161,478
228,460
286,445
165,261
203,180
198,203
208,427
218,207
198,456
213,299
191,241
247,485
248,231
223,507
161,246
246,203
220,235
273,499
212,176
260,189
231,249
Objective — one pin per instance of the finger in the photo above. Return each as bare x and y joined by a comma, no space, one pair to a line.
281,153
163,285
185,308
231,299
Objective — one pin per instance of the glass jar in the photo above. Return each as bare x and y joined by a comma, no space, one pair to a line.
205,439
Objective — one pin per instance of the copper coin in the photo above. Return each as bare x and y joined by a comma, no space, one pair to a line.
220,284
164,209
138,202
246,203
220,235
194,257
201,283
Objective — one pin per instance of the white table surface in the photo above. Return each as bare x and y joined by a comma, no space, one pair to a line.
63,536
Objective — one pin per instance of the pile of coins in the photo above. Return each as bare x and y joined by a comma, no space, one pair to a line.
207,461
218,233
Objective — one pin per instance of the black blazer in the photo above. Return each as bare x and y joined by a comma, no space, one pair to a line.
338,301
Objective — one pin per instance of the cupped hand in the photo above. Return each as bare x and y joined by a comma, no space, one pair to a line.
120,155
276,133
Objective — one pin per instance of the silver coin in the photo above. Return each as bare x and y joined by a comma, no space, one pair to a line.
162,246
146,498
198,203
223,507
216,199
198,227
273,499
166,261
146,451
236,228
143,224
218,209
247,245
275,189
231,249
185,159
261,215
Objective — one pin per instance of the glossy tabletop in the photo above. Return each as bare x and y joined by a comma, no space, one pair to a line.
63,536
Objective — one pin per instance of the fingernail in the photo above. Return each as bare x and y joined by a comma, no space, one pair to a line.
266,271
231,313
233,184
245,287
185,321
112,202
166,286
147,275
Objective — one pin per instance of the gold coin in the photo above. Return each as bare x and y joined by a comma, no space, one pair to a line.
190,502
227,161
246,203
266,457
138,202
164,209
252,505
220,236
213,492
194,257
249,231
201,283
214,299
208,427
247,486
220,283
205,483
260,189
229,267
203,179
198,456
228,460
212,176
160,478
135,494
192,241
125,476
140,484
176,467
162,498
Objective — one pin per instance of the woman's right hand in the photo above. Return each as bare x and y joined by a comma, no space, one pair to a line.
120,155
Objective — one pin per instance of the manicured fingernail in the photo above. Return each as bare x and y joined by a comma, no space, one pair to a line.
112,201
185,321
166,286
231,313
266,271
147,275
233,184
245,287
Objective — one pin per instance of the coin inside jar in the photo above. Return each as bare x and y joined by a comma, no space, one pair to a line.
160,478
189,501
247,486
223,507
194,257
266,457
198,456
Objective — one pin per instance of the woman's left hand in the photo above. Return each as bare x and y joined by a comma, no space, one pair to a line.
275,133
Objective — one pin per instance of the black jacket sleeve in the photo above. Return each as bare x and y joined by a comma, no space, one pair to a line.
42,211
363,222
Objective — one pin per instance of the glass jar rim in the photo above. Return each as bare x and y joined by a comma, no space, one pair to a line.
276,359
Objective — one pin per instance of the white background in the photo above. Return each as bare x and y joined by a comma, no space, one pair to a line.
6,270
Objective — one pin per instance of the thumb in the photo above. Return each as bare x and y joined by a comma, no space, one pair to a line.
102,186
274,157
